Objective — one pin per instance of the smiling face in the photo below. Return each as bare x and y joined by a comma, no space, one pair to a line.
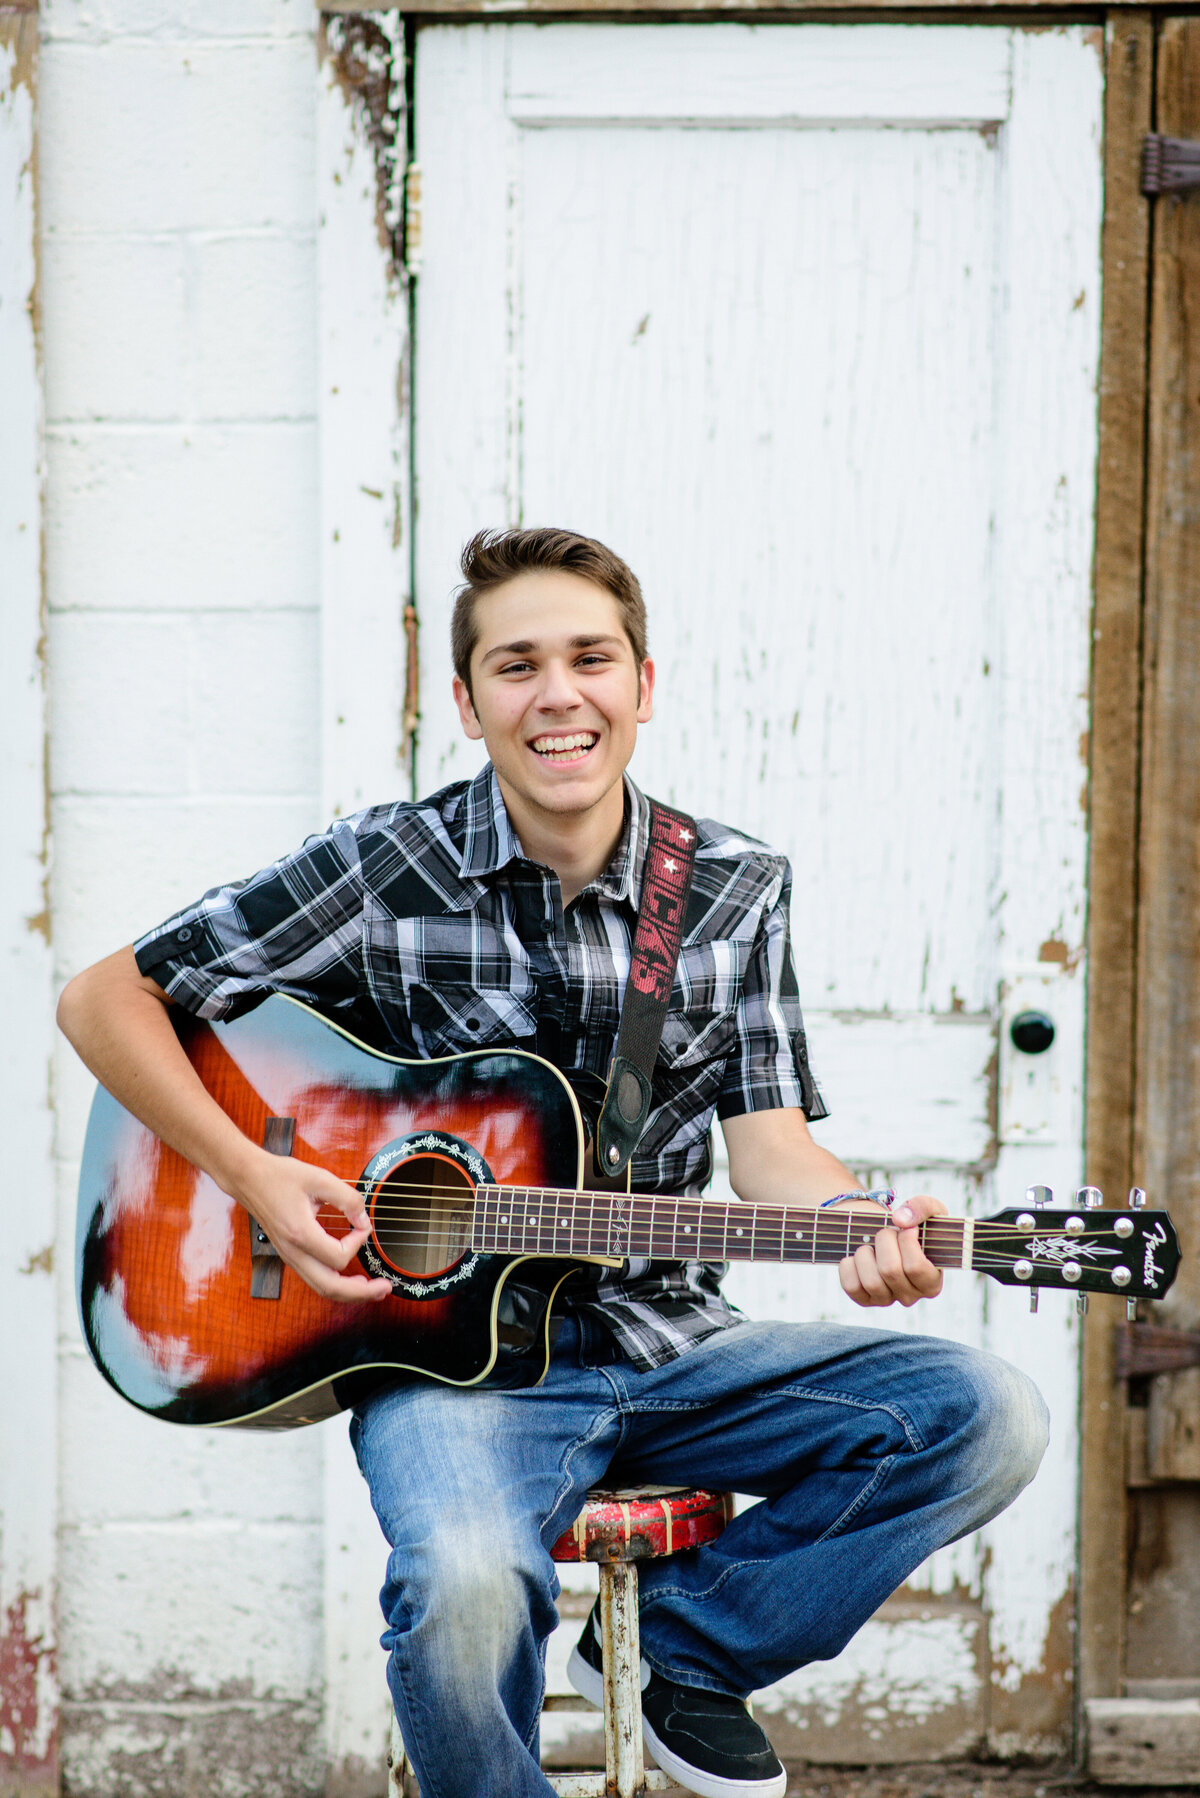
556,695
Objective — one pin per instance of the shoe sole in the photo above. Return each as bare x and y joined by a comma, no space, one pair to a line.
590,1685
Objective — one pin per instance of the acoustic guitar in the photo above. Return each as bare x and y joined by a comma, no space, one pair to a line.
471,1169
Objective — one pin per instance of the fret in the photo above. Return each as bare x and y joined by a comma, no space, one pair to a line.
769,1240
675,1232
687,1228
725,1239
615,1225
739,1248
713,1221
485,1230
798,1236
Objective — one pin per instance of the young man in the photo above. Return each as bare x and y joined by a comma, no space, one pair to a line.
501,911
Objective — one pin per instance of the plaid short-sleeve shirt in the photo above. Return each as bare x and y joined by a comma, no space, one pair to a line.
423,929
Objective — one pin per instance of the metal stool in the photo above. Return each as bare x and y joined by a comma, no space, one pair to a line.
615,1529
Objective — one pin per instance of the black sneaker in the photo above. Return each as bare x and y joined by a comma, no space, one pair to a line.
706,1741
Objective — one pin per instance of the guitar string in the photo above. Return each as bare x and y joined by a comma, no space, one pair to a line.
553,1198
947,1238
767,1216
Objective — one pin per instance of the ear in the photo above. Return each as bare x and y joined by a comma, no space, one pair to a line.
466,710
645,692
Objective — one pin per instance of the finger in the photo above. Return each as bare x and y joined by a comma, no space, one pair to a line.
851,1284
921,1275
870,1278
917,1209
303,1235
328,1189
348,1289
892,1252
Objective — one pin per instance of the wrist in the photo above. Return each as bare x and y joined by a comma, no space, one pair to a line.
239,1168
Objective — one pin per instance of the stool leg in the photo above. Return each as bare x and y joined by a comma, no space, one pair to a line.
624,1770
402,1781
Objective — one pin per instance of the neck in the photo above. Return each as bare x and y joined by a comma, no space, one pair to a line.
602,1226
576,845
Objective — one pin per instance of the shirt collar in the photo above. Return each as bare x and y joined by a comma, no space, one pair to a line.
490,843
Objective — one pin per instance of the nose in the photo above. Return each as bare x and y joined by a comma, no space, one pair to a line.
558,691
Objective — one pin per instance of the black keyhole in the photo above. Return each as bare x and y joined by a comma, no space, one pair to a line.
1032,1032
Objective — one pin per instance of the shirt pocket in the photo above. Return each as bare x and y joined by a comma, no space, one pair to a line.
689,1039
454,1018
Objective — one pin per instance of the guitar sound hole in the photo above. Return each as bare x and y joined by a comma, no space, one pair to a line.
422,1214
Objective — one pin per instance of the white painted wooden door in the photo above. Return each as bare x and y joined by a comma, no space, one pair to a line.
29,1691
803,320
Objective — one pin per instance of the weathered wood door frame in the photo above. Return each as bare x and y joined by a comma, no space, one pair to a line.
1117,803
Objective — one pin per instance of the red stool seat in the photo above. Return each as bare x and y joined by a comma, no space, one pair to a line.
638,1523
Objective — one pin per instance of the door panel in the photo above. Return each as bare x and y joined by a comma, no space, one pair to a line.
804,320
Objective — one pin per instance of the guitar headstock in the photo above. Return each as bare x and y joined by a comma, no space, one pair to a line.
1083,1248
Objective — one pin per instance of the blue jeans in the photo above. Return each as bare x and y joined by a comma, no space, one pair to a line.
869,1449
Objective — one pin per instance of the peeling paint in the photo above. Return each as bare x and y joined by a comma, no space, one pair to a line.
1060,954
42,1262
21,1657
912,1686
368,69
158,1750
1030,1711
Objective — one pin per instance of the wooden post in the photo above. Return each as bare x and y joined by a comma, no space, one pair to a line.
1114,775
1160,1629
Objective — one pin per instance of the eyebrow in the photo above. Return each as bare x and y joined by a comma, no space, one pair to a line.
526,645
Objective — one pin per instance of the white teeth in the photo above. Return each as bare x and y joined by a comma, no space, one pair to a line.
564,745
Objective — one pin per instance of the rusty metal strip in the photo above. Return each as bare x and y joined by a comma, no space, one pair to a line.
1143,1349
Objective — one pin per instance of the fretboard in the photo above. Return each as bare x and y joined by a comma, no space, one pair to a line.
515,1220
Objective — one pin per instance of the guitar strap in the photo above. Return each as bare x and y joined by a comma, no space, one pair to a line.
666,886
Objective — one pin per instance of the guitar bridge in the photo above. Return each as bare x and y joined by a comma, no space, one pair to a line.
266,1268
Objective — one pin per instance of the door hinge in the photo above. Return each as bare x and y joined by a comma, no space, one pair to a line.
412,676
1170,165
412,220
1152,1348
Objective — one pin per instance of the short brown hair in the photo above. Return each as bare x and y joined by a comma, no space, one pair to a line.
493,557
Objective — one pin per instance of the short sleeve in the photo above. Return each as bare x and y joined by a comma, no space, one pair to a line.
295,927
768,1067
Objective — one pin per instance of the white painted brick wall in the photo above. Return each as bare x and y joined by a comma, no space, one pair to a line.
178,258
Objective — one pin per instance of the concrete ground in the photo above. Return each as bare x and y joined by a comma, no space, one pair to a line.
965,1779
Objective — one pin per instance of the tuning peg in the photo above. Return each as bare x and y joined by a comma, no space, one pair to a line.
1137,1198
1081,1303
1090,1197
1033,1298
1130,1311
1039,1196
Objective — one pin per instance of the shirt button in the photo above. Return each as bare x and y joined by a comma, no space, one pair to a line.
184,935
472,1023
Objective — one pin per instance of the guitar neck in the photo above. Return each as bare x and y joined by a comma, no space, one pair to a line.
594,1225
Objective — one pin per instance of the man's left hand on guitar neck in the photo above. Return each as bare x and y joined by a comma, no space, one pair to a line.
774,1160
